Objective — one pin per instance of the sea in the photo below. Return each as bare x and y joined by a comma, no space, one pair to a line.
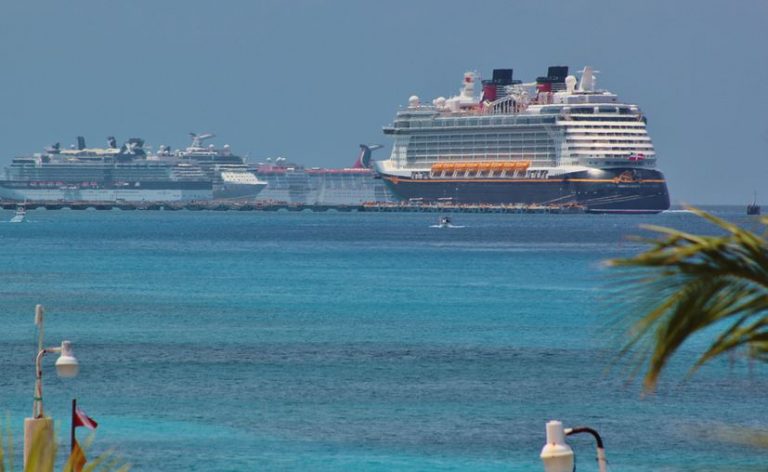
240,341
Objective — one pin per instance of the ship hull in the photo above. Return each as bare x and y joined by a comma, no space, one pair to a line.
621,190
330,188
237,191
146,191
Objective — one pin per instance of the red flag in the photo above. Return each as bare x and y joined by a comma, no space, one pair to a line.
77,459
81,419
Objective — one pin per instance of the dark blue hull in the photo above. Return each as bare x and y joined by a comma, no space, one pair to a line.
622,190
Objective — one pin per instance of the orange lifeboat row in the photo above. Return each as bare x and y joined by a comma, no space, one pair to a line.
450,167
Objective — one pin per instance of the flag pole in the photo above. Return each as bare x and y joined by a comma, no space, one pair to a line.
72,428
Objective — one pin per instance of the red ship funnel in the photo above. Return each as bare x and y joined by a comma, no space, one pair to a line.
489,91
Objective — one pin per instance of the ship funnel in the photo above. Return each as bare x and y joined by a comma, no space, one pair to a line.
112,142
502,76
557,73
80,143
364,160
197,139
136,143
495,88
587,80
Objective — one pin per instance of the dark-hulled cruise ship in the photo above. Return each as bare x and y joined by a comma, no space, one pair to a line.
558,140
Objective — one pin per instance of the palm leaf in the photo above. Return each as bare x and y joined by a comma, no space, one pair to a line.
42,454
694,283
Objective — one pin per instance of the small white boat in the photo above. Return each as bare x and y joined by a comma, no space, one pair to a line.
20,214
445,222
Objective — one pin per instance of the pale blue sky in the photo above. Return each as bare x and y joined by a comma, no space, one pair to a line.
312,79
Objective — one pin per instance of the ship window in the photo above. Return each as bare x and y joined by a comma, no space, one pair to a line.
606,109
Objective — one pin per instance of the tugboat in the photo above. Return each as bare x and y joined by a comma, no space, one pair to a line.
753,208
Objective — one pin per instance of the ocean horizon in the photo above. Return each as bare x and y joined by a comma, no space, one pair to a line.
227,341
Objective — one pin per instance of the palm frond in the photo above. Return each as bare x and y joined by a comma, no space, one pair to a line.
42,454
740,435
695,282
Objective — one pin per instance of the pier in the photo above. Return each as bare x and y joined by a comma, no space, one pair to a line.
246,205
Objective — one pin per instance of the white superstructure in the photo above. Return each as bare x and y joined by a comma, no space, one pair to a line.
574,128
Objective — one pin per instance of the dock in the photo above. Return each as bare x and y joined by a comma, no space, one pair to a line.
246,205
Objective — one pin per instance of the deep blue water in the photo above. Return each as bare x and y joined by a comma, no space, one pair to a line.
253,341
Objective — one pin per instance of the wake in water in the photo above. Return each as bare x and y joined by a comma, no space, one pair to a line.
447,226
445,222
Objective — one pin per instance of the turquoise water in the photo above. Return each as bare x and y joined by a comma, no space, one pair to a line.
253,341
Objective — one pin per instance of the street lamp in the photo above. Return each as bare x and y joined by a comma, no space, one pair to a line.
558,456
38,430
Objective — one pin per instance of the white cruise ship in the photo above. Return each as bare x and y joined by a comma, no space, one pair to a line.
293,183
558,140
103,174
228,171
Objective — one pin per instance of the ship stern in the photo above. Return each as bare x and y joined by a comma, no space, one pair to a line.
620,190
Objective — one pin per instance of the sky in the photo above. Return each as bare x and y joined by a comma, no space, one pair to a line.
311,79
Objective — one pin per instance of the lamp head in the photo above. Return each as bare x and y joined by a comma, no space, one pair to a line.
556,454
66,364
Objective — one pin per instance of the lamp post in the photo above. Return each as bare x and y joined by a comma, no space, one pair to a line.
558,456
38,430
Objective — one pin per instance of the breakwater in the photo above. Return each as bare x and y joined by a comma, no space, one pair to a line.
242,205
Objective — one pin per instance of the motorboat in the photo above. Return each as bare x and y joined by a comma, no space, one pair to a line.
445,222
20,214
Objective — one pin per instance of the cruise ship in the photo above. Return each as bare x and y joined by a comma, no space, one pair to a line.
557,140
293,183
103,174
228,171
